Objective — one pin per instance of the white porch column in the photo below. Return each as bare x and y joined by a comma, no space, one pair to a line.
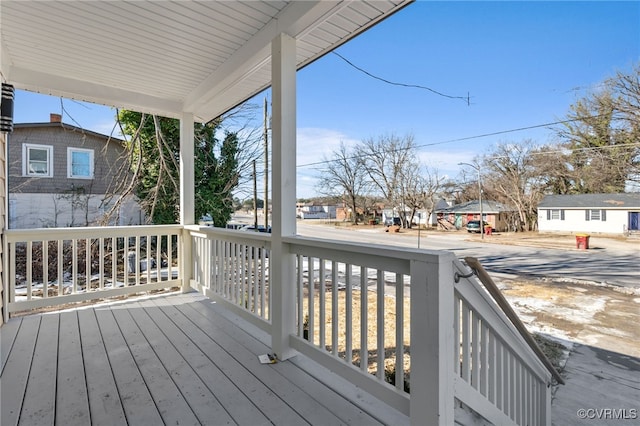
187,195
282,274
432,390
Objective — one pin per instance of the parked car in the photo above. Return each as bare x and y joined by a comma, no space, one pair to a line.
392,221
261,228
474,226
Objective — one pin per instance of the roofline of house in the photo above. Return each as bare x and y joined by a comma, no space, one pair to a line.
66,127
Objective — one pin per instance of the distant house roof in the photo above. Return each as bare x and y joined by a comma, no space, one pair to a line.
584,201
488,206
69,127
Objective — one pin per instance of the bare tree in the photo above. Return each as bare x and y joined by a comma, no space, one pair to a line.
388,161
602,132
510,176
344,175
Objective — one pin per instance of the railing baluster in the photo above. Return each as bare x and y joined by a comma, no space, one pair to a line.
256,289
500,376
87,263
364,328
300,294
322,322
491,383
484,360
29,266
45,269
12,278
60,267
349,314
263,286
101,259
399,364
334,308
74,266
475,350
457,334
311,296
466,368
380,310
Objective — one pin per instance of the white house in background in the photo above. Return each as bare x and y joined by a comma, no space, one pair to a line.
312,211
590,213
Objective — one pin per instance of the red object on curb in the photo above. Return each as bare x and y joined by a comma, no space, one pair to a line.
582,241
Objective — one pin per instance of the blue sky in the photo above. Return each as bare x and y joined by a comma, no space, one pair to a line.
521,63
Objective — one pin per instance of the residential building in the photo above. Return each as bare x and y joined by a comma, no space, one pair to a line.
315,211
590,213
499,215
60,175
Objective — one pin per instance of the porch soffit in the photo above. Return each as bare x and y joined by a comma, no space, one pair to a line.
167,57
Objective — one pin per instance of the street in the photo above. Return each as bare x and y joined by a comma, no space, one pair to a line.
555,288
616,265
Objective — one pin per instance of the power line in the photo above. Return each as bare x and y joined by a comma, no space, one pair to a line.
502,132
393,83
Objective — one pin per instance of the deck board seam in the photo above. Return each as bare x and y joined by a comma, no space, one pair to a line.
163,307
161,362
91,313
146,372
222,318
171,343
284,377
222,371
13,340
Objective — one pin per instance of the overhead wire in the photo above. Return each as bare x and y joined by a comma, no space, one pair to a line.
502,132
414,86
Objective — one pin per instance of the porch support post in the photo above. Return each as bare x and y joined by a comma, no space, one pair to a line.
187,196
282,270
432,388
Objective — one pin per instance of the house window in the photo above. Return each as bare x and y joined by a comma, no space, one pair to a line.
555,214
36,160
79,163
595,214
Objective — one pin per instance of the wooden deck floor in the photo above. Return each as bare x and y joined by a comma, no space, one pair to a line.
173,360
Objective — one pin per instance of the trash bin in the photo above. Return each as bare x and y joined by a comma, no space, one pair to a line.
582,241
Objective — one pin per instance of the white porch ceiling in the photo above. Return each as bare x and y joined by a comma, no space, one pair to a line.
166,57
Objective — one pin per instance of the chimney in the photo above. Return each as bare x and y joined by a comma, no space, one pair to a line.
55,118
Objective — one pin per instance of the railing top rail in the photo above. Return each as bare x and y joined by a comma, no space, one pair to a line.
39,234
502,302
229,234
403,253
369,255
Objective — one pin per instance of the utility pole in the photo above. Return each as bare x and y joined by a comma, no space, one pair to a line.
477,169
266,168
255,197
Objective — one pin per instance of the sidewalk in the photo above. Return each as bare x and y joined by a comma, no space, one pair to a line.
602,388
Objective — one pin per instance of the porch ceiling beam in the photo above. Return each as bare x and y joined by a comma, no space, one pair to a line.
296,19
42,82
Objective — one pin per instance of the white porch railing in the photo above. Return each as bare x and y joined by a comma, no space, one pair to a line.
56,266
232,267
409,326
380,315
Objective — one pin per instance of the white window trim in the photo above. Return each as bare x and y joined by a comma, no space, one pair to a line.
70,151
25,160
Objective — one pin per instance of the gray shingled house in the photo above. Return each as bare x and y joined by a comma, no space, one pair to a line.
61,175
590,213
